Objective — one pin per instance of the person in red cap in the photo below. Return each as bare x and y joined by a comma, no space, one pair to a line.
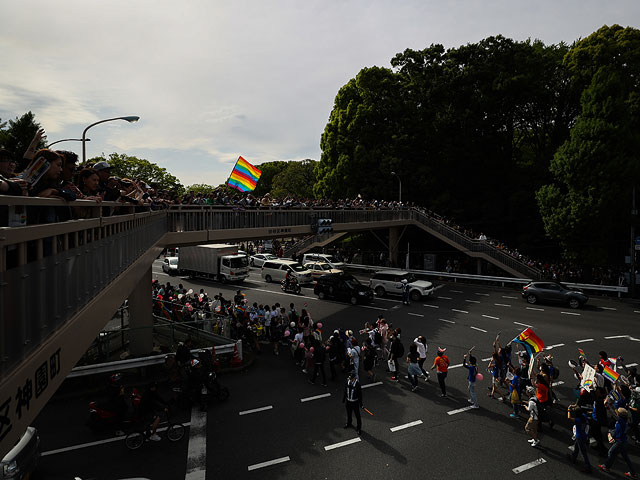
441,362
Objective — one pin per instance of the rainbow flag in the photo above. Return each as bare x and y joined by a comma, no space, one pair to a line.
581,352
610,374
531,342
244,176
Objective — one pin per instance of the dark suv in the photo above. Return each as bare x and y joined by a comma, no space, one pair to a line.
342,286
553,292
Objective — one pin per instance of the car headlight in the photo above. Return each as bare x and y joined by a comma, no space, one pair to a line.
10,470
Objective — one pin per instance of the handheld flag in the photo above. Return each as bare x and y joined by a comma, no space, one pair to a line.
581,352
244,176
610,374
531,342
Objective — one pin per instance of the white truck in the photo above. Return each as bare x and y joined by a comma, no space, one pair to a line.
216,261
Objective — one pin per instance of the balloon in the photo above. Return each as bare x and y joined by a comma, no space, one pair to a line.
190,292
479,377
180,296
301,345
319,325
311,349
159,297
287,333
292,324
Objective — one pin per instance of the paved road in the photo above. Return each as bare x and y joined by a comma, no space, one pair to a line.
266,430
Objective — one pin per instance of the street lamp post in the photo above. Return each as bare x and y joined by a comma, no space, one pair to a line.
129,119
68,140
400,186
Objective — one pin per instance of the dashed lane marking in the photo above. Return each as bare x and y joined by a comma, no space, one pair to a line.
523,324
456,291
482,294
316,397
501,305
459,311
445,320
536,309
632,365
279,293
430,306
479,329
267,464
460,410
512,298
406,425
633,339
492,318
607,308
444,298
616,336
570,313
455,366
255,410
550,347
415,314
375,384
555,384
372,308
584,340
527,466
486,359
342,444
472,301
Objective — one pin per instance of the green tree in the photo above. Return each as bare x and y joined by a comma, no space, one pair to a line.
18,135
269,171
125,166
297,179
201,188
587,206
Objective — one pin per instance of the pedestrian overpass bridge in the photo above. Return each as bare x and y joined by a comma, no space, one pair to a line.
60,283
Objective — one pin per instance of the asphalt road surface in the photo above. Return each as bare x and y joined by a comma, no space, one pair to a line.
277,425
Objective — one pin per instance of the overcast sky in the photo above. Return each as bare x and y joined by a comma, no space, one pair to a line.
215,79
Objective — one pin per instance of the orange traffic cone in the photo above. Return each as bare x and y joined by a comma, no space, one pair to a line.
215,358
235,360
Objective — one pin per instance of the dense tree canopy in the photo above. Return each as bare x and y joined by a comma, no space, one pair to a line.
16,134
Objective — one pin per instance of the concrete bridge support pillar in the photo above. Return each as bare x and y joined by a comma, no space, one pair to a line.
394,243
141,317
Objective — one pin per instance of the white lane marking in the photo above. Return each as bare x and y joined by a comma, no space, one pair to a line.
261,409
416,314
197,450
479,329
279,293
536,309
459,311
406,425
570,313
460,410
456,291
554,346
444,298
492,318
472,301
607,308
501,305
633,339
523,324
308,399
93,444
269,463
555,384
368,306
455,366
527,466
342,444
636,311
371,385
632,365
482,294
486,359
430,306
445,320
585,340
616,336
511,298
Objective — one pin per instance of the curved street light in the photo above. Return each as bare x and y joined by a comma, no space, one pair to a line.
130,119
69,140
400,185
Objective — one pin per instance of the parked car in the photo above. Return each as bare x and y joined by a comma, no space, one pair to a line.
342,286
22,460
390,281
259,259
276,270
320,268
170,266
554,292
322,257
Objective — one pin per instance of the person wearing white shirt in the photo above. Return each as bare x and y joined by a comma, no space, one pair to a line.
421,343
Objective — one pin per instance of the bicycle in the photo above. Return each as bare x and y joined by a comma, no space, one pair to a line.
174,433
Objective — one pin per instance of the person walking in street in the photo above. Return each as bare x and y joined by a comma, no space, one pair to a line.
396,351
319,355
619,440
413,369
472,372
421,343
441,362
354,357
531,426
581,424
353,401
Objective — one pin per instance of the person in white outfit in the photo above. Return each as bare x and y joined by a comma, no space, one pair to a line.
421,343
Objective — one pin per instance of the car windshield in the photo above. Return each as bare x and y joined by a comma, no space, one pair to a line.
351,281
173,261
410,277
298,268
324,266
239,262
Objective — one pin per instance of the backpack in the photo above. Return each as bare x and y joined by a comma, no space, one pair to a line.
377,338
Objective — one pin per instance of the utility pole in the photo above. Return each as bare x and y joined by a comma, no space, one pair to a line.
632,253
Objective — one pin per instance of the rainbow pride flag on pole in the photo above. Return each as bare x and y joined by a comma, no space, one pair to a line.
531,342
244,176
610,374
